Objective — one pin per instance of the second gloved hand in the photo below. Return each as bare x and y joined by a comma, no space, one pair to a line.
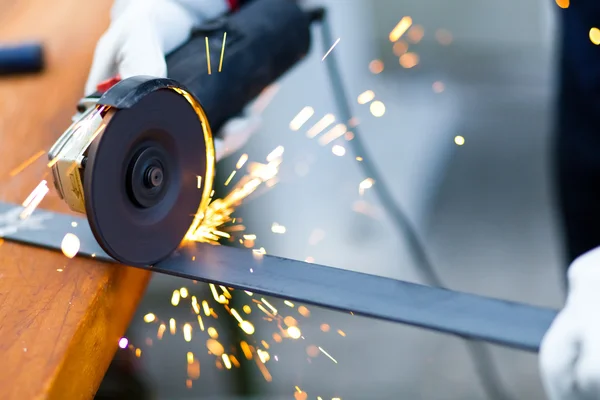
570,351
142,32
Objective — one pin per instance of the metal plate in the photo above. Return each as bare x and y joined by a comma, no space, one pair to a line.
470,316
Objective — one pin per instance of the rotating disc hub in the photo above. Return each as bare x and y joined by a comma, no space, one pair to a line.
148,175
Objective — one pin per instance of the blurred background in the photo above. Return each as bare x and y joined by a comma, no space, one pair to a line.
459,121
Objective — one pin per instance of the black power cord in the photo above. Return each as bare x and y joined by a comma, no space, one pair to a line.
479,353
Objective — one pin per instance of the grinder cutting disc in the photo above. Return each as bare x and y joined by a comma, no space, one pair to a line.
141,178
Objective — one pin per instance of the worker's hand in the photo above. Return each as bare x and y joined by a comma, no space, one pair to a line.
570,351
141,32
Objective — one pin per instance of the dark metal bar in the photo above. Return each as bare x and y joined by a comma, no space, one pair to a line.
21,58
470,316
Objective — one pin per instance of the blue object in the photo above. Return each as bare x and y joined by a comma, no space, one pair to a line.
21,58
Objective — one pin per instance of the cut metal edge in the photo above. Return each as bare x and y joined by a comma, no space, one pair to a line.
506,323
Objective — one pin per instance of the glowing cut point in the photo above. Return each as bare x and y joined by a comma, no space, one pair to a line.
294,332
376,66
415,33
408,60
149,317
187,332
365,97
275,154
330,49
400,28
183,292
123,342
364,185
247,327
70,245
212,332
242,161
595,35
276,228
400,47
303,116
377,108
175,297
338,150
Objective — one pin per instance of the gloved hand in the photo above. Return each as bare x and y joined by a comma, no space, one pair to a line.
570,351
141,32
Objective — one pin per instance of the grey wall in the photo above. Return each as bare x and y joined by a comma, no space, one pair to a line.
484,210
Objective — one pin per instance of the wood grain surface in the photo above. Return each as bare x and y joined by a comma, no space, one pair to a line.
58,330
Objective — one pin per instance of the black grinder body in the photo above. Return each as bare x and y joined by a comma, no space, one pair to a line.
265,38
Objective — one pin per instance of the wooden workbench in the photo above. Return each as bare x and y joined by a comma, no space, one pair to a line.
58,330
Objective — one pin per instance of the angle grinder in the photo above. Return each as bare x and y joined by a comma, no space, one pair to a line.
139,158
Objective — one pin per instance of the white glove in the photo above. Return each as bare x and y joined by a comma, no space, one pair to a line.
142,32
570,350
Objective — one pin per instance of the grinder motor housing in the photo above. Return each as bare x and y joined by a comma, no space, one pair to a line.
265,38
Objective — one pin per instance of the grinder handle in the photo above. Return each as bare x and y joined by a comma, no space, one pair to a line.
229,61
